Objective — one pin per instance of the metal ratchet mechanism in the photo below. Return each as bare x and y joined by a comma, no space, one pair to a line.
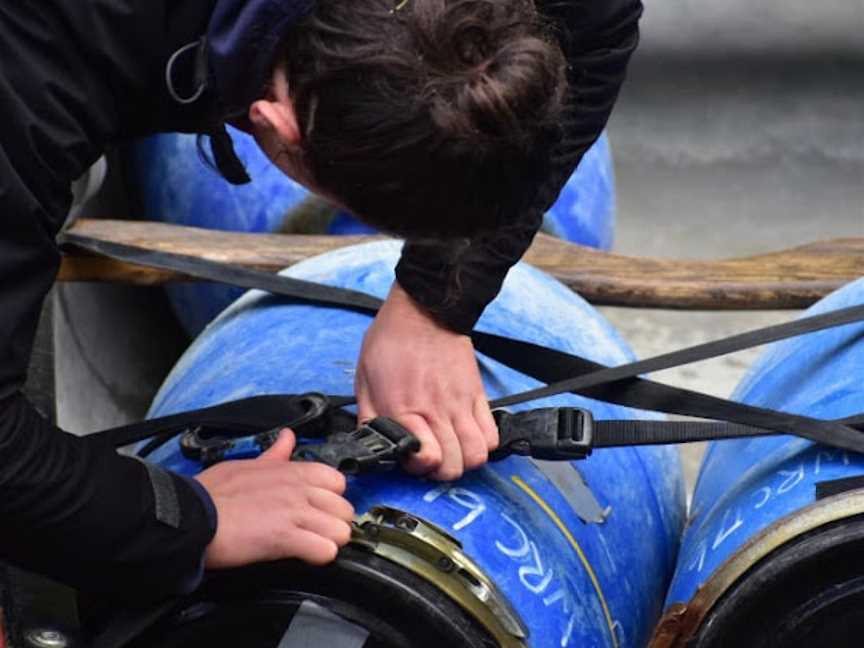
554,433
437,557
377,445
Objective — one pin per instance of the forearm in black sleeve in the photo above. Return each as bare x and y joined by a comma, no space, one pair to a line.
456,283
72,508
598,38
75,510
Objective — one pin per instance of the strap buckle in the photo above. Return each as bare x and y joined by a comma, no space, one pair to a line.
554,433
210,448
376,446
210,445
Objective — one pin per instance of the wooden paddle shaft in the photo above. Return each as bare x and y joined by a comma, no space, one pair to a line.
793,278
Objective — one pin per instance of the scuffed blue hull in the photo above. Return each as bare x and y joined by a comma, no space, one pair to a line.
754,496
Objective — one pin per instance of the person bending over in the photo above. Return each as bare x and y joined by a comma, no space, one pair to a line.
451,123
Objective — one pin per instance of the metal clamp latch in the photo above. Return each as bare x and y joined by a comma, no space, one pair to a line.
433,554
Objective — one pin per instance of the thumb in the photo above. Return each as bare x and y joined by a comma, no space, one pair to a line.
365,411
365,408
282,449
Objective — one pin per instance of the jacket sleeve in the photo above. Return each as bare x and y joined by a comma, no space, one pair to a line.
455,283
72,508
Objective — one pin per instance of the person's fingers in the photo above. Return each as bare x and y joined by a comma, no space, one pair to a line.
365,408
324,525
452,463
270,472
430,456
319,475
330,502
308,546
484,418
282,449
472,442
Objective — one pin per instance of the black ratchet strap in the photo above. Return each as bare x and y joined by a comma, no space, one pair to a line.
571,433
251,415
244,428
374,446
548,365
561,372
226,273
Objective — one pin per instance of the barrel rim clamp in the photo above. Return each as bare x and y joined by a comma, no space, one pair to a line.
552,433
433,554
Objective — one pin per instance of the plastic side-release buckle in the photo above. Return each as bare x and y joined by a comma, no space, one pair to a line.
376,446
212,445
209,449
552,433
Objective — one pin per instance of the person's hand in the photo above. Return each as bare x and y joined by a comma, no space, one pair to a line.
271,508
424,376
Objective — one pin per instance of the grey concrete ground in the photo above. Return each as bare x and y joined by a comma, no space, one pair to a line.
775,28
740,130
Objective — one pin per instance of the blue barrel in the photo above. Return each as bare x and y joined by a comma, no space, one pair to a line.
572,582
763,561
585,210
174,185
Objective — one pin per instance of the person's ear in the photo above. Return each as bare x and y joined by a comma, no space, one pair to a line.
278,118
275,113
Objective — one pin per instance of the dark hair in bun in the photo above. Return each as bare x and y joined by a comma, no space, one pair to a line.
427,118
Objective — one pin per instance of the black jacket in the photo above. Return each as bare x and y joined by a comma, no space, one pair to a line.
76,77
598,38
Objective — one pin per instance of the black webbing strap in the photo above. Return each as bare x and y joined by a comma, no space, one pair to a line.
617,385
251,415
225,273
713,349
840,486
615,434
548,365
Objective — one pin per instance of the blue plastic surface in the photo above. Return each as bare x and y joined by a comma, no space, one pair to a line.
585,210
746,485
175,185
263,344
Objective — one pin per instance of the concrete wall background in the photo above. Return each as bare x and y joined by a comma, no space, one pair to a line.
694,28
114,346
744,27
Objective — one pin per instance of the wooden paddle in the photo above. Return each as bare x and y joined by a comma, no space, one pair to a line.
793,278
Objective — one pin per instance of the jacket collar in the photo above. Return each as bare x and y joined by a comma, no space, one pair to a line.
244,38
